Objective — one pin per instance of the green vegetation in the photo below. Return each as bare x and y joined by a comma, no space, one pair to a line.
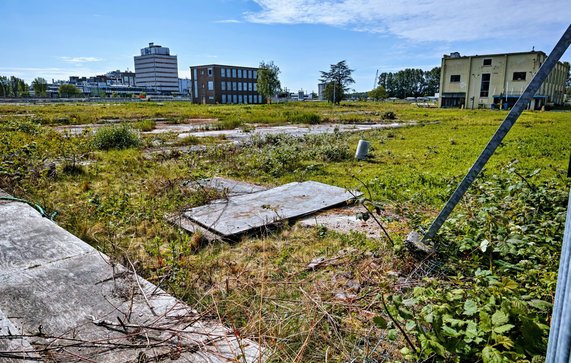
115,137
337,81
268,82
486,295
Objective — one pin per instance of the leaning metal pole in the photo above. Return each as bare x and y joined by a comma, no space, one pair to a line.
506,125
559,345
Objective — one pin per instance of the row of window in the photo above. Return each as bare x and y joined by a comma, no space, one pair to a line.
238,86
517,76
241,98
236,73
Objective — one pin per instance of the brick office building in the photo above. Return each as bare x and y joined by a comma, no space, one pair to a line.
215,83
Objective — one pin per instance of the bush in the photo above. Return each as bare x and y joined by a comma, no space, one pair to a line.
115,137
302,117
145,125
389,115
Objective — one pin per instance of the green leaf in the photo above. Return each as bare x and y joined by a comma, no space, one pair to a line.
470,307
449,331
410,325
503,328
499,318
541,304
392,334
380,322
485,322
471,331
491,355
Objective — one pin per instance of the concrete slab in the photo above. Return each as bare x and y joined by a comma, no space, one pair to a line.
246,212
227,187
62,300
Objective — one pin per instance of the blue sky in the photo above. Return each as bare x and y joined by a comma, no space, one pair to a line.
55,39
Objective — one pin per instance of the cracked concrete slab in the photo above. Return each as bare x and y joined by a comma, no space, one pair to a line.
62,300
246,212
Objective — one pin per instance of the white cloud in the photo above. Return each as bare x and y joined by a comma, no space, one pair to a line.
79,60
228,21
421,20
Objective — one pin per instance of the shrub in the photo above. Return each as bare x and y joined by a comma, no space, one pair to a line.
389,115
145,125
115,137
302,117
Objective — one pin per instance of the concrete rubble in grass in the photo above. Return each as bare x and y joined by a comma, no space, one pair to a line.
247,208
62,300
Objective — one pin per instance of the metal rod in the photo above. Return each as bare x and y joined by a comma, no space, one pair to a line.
559,344
506,125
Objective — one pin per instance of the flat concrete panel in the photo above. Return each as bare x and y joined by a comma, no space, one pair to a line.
61,300
251,211
28,239
226,186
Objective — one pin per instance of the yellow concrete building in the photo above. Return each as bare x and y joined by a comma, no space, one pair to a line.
497,80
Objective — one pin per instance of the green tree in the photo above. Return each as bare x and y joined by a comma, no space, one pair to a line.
378,93
432,78
69,90
18,88
338,80
40,87
4,86
411,82
268,81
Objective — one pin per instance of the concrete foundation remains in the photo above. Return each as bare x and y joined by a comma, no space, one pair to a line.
62,300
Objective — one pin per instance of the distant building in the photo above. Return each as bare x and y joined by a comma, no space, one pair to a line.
184,86
497,80
215,83
156,69
321,91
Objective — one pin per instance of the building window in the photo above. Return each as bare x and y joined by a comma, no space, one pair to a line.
235,98
454,78
485,85
234,72
259,98
255,87
223,98
239,73
255,74
250,87
487,62
234,87
210,85
239,86
209,72
223,86
250,98
222,72
519,76
240,99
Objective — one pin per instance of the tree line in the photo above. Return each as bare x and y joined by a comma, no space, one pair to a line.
410,82
16,87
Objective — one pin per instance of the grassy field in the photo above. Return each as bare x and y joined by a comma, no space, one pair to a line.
117,200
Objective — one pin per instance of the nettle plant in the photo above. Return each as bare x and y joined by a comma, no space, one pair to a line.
501,254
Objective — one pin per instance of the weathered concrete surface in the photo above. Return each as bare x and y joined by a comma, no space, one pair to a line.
239,135
62,300
225,186
246,212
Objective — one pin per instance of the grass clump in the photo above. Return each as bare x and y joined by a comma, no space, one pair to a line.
145,125
115,137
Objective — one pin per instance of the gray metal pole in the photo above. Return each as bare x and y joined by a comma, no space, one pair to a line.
506,125
559,345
